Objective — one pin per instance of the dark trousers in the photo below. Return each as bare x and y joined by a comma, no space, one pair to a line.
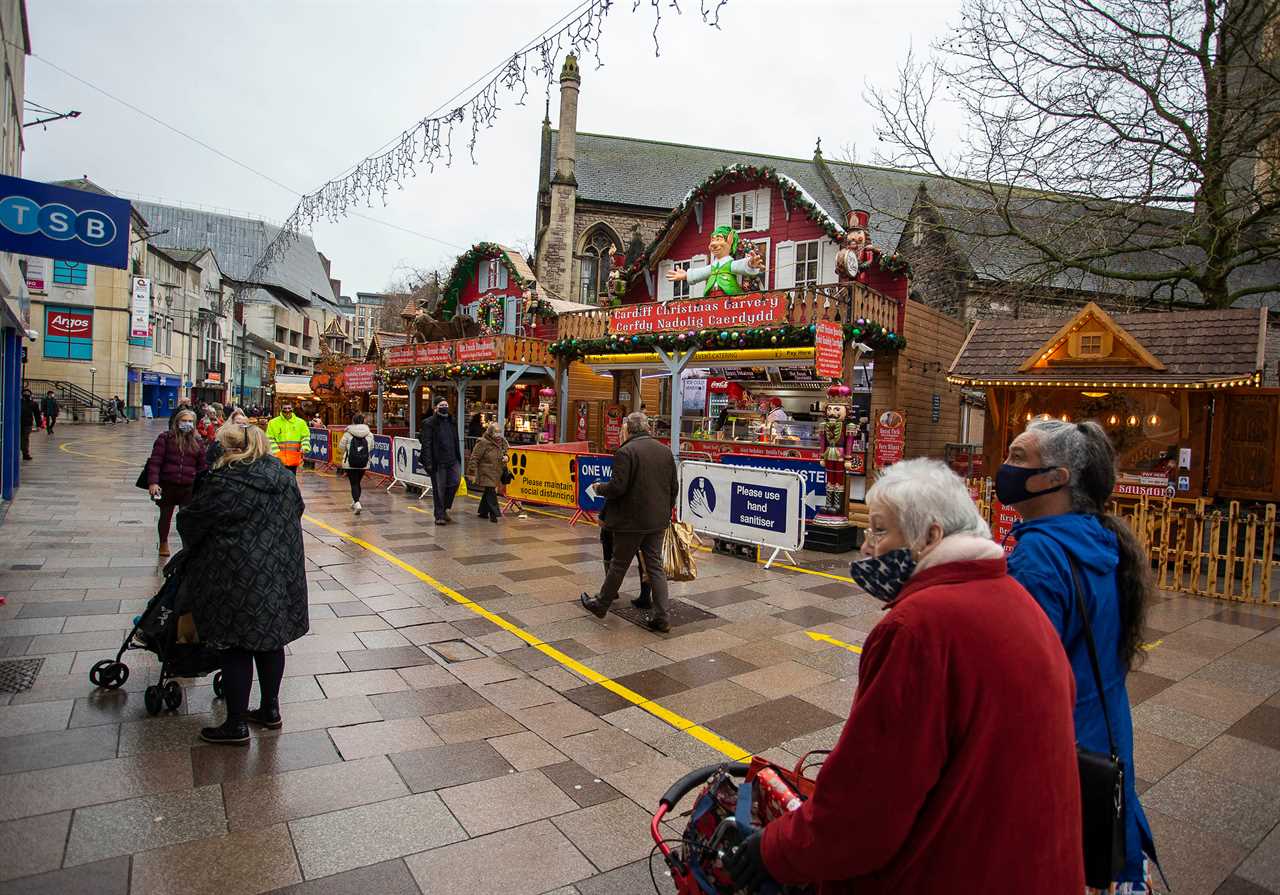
355,475
49,423
626,544
489,503
444,485
237,679
25,438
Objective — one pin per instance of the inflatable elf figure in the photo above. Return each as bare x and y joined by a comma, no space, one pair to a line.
723,275
838,435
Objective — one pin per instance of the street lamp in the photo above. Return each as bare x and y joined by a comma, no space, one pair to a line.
93,372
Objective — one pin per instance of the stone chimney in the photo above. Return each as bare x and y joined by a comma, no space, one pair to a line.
555,259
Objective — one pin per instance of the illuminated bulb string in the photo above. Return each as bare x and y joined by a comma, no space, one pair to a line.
429,140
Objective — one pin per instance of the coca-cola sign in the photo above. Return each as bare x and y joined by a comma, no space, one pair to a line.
69,324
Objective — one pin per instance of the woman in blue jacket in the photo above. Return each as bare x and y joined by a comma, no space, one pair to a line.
1059,476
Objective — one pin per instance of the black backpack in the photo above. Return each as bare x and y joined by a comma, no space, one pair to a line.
358,453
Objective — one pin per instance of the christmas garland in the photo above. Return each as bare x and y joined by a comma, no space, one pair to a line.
867,332
446,371
538,306
493,312
465,267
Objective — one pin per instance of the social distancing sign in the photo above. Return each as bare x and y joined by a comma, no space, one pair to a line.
545,477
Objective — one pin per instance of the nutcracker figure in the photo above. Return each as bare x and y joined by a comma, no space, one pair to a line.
838,436
857,255
546,417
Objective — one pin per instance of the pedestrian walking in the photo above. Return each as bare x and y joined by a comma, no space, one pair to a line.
639,499
243,575
356,446
1060,476
488,462
30,419
213,448
289,438
644,600
960,731
441,458
177,457
50,409
209,423
121,409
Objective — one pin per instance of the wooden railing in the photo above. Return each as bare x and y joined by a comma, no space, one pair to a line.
809,305
524,350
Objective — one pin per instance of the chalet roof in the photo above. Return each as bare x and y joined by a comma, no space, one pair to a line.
1194,346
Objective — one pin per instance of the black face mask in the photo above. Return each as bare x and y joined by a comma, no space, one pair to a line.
1011,483
442,411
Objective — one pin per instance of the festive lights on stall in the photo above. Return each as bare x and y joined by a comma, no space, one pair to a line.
865,331
445,371
1253,380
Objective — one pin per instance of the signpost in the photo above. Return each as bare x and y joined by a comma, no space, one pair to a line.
140,309
815,477
752,506
318,447
828,349
404,465
592,468
64,224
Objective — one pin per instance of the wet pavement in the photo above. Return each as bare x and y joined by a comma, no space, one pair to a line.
428,747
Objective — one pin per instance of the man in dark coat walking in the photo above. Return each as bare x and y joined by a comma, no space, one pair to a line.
30,419
49,407
441,458
639,499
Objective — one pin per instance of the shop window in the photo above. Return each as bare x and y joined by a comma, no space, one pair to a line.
1091,345
745,212
742,211
68,333
807,254
680,288
70,273
594,266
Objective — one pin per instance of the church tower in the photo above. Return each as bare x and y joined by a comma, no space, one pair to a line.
555,248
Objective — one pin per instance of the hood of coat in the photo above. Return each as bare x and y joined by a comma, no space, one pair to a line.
1081,536
960,548
266,474
358,430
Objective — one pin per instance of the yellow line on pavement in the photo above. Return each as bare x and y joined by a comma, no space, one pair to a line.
698,732
827,638
66,448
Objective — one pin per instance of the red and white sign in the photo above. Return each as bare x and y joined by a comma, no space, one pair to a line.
613,415
891,437
1003,519
1144,484
401,355
140,308
470,350
434,353
69,324
703,313
828,349
584,412
358,377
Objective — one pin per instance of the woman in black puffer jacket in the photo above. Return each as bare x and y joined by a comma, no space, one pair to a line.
243,575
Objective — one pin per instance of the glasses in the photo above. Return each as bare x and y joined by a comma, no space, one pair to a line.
874,536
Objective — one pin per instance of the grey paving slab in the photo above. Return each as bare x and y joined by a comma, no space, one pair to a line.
133,825
451,764
245,862
387,878
34,845
504,802
527,861
110,877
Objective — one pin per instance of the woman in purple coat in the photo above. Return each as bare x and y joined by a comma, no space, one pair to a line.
177,457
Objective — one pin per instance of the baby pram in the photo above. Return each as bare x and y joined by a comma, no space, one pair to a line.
722,816
160,629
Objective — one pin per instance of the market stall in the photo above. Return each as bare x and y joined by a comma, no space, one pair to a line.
1178,393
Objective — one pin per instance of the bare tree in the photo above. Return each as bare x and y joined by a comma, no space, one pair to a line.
1131,140
410,284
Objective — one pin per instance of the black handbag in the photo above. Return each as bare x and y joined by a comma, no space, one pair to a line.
1101,780
507,477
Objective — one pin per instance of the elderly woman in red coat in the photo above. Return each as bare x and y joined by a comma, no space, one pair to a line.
956,771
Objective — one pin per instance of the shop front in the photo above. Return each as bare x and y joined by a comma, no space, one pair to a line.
160,393
1177,393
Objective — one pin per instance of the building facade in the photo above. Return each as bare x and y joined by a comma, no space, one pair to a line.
15,311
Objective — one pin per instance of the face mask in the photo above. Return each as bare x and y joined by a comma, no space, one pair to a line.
442,411
186,426
1011,483
883,576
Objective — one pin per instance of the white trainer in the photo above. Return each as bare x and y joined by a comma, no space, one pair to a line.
356,506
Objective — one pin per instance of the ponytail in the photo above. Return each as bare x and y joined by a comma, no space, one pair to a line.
1086,451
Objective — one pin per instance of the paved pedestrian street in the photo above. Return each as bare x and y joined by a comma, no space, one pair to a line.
427,746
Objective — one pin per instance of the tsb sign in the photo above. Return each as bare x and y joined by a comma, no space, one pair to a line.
63,224
22,215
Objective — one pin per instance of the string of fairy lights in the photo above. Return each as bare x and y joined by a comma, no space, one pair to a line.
429,141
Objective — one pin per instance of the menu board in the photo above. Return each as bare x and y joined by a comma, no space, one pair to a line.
891,431
828,353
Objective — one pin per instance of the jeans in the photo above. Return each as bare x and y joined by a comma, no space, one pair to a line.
237,679
355,475
626,544
489,503
444,485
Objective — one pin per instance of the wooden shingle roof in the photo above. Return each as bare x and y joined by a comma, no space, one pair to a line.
1196,347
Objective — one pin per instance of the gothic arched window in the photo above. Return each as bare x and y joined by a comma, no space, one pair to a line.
594,264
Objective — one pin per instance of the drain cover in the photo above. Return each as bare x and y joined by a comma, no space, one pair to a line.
682,613
19,674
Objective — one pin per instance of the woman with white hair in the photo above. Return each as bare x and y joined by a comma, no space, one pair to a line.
957,766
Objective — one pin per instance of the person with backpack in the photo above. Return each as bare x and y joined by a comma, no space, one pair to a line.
356,446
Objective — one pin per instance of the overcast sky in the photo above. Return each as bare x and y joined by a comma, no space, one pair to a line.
301,90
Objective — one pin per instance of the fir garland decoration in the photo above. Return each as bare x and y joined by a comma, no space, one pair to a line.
867,332
539,307
445,371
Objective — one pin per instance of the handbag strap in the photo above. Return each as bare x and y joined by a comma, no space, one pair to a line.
1093,650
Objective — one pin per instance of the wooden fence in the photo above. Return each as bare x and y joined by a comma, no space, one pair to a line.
1196,548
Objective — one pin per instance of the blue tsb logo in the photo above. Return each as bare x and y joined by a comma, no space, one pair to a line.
26,217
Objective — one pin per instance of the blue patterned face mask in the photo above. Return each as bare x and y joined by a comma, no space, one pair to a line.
883,576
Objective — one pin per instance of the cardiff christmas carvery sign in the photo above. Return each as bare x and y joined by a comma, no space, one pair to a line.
755,310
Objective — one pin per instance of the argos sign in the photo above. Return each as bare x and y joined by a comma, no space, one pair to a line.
63,224
69,324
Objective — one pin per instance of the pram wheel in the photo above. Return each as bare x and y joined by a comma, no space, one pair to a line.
152,699
109,674
217,684
172,695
